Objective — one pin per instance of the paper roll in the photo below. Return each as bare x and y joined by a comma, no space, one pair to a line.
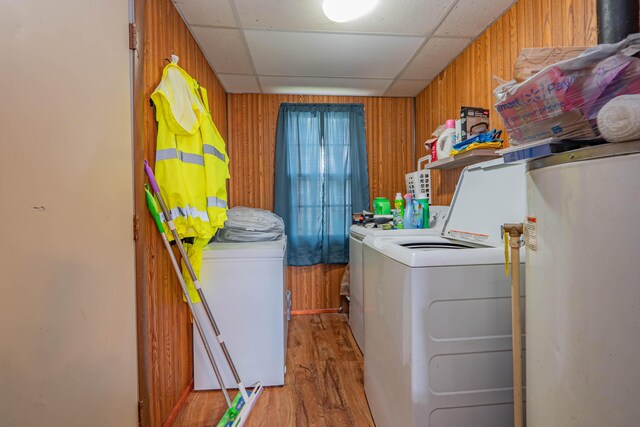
619,119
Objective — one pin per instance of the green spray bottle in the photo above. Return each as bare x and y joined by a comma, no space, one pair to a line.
398,212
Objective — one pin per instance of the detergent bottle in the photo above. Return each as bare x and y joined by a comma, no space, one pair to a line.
381,206
408,211
424,201
446,140
416,215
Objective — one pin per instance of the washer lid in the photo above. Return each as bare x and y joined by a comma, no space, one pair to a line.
245,250
487,196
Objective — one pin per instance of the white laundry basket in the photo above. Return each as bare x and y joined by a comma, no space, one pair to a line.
420,181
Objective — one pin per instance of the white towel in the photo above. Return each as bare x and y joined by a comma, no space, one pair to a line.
619,119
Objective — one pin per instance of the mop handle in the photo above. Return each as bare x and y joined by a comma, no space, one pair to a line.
152,177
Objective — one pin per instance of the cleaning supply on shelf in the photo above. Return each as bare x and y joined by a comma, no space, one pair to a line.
416,215
424,202
446,140
408,211
431,145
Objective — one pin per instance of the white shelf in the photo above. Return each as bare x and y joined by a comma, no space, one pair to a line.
464,159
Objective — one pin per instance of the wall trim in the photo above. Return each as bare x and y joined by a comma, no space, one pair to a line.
173,415
315,311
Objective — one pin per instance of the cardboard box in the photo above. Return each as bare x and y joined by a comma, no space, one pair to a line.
533,60
473,121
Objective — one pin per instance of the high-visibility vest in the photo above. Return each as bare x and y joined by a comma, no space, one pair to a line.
192,165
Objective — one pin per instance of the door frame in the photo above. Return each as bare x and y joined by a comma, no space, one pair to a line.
139,219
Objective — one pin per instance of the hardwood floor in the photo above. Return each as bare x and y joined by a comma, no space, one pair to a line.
323,385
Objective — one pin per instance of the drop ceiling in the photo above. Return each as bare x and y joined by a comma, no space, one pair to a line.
289,46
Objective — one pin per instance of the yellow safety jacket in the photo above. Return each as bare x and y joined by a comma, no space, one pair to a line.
192,165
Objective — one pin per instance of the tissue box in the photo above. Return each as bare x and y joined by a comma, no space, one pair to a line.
473,121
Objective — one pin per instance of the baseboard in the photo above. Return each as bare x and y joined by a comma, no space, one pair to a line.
173,415
315,311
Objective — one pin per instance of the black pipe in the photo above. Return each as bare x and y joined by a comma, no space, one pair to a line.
617,19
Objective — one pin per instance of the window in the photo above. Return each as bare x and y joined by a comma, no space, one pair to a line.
321,178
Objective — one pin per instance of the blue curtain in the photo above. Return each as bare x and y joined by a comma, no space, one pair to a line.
321,178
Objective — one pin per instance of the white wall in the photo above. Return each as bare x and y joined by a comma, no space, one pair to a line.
67,278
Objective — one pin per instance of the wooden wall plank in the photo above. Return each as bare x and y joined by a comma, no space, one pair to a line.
469,78
168,320
251,147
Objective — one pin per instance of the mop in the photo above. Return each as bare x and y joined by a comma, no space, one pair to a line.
240,407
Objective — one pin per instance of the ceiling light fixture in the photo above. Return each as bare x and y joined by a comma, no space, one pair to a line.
347,10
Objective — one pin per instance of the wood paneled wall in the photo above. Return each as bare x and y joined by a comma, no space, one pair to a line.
165,334
468,80
251,147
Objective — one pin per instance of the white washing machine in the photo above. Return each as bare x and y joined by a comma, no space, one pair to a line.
245,286
357,233
438,312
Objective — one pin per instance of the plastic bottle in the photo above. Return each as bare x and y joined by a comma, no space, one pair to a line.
426,217
398,204
398,215
408,211
398,221
416,215
446,140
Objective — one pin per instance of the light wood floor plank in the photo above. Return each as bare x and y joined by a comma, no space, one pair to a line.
323,386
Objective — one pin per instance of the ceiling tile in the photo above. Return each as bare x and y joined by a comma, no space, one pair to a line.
408,88
237,83
413,17
324,86
224,50
434,57
470,17
329,55
207,12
